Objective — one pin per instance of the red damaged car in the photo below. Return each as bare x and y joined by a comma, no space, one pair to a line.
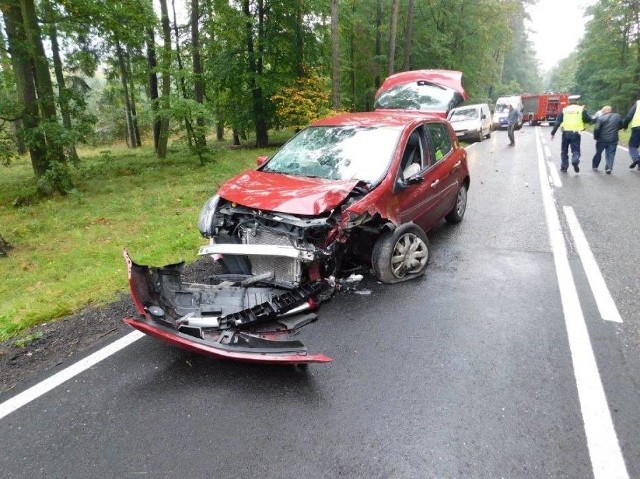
350,194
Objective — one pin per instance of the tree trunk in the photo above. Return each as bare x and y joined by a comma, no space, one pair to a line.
378,38
163,139
255,71
335,56
24,78
153,84
183,88
59,180
352,56
395,4
124,81
132,98
63,99
198,84
299,42
9,83
408,33
220,131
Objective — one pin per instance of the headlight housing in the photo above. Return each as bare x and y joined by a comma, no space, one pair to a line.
205,221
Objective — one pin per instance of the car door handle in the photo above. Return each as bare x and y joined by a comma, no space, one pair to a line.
435,183
457,164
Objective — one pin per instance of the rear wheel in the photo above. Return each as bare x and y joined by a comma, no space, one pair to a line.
457,213
401,254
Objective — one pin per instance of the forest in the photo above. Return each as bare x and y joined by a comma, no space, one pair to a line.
118,119
88,72
137,71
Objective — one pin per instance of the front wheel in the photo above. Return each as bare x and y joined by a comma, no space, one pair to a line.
457,213
401,254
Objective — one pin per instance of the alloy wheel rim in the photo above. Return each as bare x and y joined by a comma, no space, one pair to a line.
410,255
461,201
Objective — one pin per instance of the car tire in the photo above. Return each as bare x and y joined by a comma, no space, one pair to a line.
480,136
457,213
401,254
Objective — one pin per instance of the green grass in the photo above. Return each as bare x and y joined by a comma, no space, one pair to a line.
67,250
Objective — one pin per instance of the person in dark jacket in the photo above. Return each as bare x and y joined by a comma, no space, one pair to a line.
606,135
632,121
513,118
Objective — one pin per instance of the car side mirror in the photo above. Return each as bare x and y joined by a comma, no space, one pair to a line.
261,160
414,180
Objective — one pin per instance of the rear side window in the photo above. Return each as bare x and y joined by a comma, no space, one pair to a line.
440,140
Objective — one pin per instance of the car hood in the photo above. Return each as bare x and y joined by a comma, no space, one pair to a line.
285,193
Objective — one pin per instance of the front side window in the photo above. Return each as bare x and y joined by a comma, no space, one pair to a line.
338,153
413,158
440,140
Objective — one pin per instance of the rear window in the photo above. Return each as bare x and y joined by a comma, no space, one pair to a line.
419,95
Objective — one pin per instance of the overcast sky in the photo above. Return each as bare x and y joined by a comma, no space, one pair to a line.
557,26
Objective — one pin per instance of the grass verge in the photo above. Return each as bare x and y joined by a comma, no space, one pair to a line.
67,250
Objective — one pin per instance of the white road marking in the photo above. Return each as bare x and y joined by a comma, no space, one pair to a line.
606,305
554,177
34,392
607,461
553,173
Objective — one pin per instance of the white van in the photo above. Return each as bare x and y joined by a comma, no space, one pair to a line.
471,122
502,111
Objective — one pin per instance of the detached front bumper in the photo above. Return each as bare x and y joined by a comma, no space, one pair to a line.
241,318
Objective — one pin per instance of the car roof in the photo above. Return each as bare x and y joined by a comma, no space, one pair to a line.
378,119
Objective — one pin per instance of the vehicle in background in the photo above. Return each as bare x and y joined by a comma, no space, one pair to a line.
429,91
502,110
471,122
541,107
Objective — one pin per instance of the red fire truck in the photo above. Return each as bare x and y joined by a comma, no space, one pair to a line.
540,107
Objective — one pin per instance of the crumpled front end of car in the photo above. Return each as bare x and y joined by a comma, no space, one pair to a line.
233,316
272,271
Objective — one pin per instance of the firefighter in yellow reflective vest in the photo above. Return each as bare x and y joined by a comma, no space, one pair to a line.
571,121
632,120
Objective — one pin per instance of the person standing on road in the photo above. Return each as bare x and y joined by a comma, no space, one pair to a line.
571,121
632,120
513,117
606,135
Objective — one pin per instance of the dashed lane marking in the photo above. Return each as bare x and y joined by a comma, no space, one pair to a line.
606,457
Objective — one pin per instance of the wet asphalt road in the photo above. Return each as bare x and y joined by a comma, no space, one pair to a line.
465,373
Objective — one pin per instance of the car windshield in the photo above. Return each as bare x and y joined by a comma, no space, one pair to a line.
502,108
337,153
419,95
466,114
